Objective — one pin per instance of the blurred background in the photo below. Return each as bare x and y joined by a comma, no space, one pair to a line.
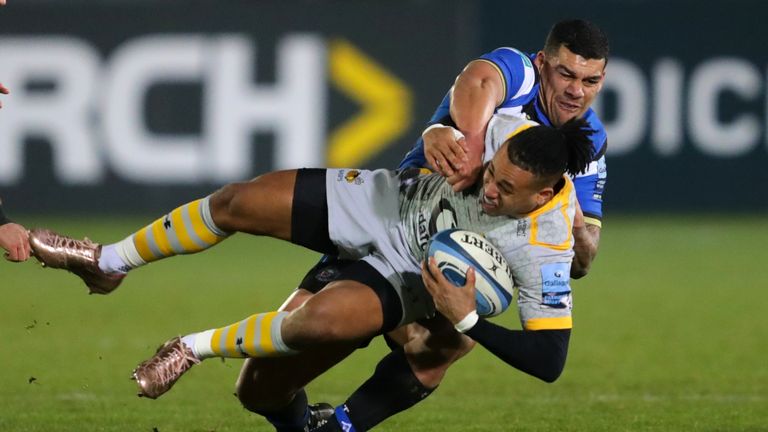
121,110
164,100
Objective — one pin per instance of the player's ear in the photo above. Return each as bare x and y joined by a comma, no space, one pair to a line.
544,195
539,59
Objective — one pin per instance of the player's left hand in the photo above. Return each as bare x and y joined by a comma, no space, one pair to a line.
14,238
470,170
453,302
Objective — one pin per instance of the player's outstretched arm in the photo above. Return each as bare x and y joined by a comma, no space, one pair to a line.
478,90
540,353
586,240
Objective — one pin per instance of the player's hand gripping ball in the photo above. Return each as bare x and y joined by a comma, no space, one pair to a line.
456,250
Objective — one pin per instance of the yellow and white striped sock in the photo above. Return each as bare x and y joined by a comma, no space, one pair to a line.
185,230
256,336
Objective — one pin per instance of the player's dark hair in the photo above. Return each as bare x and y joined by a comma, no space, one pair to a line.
580,36
548,152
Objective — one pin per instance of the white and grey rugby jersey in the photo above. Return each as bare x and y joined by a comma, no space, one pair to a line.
538,247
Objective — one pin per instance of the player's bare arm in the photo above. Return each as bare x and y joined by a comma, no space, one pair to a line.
478,90
586,240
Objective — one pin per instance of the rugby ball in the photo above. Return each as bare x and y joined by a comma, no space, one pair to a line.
455,250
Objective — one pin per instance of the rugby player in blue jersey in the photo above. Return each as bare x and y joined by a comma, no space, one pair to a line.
556,84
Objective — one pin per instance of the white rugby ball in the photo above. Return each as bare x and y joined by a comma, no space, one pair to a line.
455,250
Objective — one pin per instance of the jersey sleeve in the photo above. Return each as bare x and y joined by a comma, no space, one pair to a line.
544,292
589,190
590,185
541,269
516,70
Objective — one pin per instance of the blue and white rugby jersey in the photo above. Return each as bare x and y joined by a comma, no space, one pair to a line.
521,87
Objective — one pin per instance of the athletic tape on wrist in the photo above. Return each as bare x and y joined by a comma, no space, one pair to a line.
430,127
467,323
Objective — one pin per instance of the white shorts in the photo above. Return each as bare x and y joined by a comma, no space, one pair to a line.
363,222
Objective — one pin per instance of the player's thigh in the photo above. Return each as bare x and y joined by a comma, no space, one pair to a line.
261,206
344,311
290,205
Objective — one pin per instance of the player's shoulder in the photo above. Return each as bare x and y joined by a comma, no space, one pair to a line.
599,137
501,127
506,125
551,223
511,55
518,73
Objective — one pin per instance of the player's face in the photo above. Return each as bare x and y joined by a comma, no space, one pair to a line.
510,190
569,83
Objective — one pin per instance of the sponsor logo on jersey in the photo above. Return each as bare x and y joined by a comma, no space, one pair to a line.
555,285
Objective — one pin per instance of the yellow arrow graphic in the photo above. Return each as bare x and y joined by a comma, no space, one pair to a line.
386,102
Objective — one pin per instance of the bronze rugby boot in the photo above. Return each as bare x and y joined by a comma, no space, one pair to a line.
80,257
158,374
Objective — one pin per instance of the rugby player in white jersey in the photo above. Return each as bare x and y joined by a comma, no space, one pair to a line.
568,81
376,219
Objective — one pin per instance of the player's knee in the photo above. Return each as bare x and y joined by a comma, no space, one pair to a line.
224,206
259,398
312,324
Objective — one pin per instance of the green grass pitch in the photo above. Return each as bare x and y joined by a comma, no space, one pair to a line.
671,334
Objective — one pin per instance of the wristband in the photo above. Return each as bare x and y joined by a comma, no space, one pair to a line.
457,135
430,127
468,322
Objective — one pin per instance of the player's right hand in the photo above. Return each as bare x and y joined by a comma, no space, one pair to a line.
445,150
14,238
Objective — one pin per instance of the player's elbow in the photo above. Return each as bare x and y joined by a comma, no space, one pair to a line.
552,375
578,272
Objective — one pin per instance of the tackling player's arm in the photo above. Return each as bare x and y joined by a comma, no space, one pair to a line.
586,240
478,90
539,353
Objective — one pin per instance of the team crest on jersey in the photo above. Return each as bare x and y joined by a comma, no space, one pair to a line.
351,176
